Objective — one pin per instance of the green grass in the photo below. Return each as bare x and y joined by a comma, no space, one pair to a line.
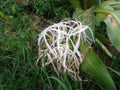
17,53
19,32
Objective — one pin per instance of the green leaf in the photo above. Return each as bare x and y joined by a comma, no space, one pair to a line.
113,29
116,7
100,17
111,2
94,66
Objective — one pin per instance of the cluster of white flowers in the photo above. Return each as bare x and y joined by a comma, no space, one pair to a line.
61,43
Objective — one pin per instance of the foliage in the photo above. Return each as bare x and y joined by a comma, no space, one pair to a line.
43,8
50,8
107,12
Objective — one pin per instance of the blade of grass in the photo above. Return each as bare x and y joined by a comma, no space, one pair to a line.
59,82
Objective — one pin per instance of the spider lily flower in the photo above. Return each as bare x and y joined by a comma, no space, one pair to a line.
61,44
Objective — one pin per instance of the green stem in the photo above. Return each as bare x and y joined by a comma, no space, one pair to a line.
104,48
113,70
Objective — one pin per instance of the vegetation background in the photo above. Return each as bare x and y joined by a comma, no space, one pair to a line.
20,23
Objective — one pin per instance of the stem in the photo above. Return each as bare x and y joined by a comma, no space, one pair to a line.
113,70
104,48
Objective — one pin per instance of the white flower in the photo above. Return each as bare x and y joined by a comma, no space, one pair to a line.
61,43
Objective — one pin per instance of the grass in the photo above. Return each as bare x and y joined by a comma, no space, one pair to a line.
17,53
20,24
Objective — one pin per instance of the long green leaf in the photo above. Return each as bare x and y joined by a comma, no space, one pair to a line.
113,25
94,66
